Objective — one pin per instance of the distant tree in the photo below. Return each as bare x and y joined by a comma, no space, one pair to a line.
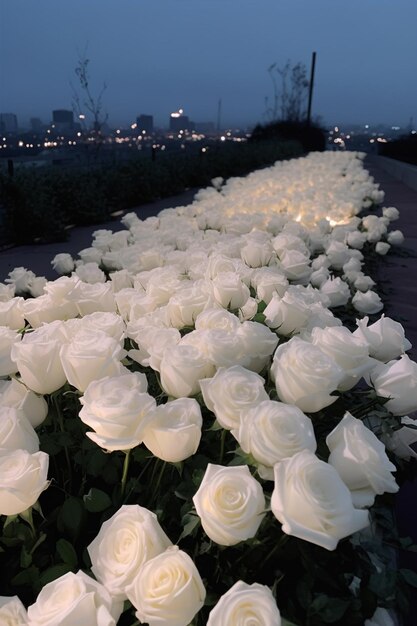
288,100
87,101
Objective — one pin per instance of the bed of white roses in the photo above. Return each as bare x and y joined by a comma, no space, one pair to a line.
202,420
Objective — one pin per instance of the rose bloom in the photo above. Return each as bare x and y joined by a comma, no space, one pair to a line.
232,391
397,380
16,431
181,368
23,477
229,291
349,351
173,433
117,408
74,599
89,356
253,605
11,313
168,590
367,303
312,502
15,394
63,263
8,338
12,611
230,504
125,542
361,461
38,360
286,315
386,338
272,431
305,376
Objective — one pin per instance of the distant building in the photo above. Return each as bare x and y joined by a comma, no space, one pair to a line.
63,120
8,123
178,121
145,123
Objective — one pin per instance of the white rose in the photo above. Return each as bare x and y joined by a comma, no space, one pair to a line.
268,281
36,287
91,255
12,612
367,303
257,253
8,338
356,239
21,278
230,504
168,590
382,247
89,356
253,605
181,368
286,241
319,277
7,292
258,344
217,318
360,460
338,254
121,280
395,238
184,306
125,542
229,291
386,338
287,315
391,213
152,342
173,434
117,408
74,599
337,291
63,263
222,348
363,283
11,313
38,361
272,431
231,392
16,432
110,323
15,394
350,352
23,477
90,298
312,502
295,265
397,380
305,376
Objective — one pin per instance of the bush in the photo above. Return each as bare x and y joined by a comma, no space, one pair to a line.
403,149
39,203
310,136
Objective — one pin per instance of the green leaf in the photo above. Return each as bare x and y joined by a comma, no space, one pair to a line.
67,553
409,576
191,523
25,558
261,306
96,501
54,572
26,577
330,610
71,516
259,317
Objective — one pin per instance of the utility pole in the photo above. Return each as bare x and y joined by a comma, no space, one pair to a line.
310,90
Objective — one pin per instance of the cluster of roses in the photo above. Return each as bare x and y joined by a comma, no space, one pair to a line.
186,288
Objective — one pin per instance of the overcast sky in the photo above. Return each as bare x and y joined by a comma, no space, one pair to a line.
158,55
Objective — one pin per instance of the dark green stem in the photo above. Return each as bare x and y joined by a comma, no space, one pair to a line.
125,470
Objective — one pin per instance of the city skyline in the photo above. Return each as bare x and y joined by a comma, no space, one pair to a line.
156,57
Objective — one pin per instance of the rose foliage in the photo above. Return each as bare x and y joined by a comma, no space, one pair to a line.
205,418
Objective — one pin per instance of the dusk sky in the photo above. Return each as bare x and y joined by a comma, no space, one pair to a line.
159,55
